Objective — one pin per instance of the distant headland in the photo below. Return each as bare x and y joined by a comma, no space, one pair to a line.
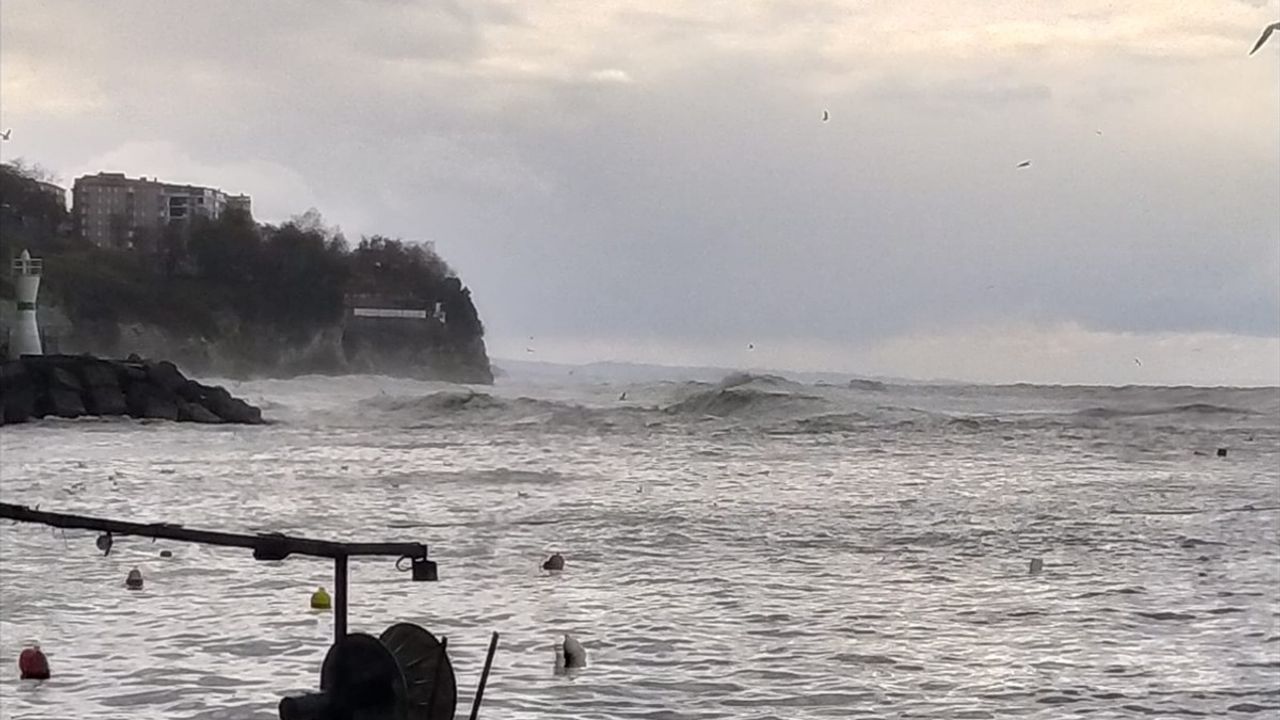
185,273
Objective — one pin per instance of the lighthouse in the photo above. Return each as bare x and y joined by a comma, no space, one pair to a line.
26,276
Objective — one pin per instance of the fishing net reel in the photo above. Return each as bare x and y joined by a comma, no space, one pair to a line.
403,674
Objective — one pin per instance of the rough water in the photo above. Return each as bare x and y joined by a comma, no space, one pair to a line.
752,548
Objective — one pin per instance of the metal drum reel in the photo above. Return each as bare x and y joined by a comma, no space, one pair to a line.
404,674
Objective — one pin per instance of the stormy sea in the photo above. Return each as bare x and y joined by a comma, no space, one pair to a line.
736,545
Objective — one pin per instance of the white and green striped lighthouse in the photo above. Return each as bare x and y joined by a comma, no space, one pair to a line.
26,278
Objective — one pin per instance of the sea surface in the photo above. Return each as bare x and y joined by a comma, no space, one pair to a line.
748,546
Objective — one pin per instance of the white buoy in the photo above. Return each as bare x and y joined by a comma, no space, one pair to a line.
570,655
26,339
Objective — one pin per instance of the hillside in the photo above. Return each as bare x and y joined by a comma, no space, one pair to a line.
236,297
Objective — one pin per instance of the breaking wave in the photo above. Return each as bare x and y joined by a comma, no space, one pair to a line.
779,405
742,401
447,407
1190,409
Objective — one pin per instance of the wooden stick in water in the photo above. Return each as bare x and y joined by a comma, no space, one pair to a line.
484,677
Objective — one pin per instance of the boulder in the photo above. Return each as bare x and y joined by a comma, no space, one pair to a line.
145,400
65,379
69,386
64,402
231,409
17,393
128,374
19,404
105,400
192,392
166,375
13,374
195,412
99,374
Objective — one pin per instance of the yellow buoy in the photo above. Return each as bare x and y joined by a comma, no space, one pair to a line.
320,600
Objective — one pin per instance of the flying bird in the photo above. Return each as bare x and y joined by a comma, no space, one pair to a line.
1137,362
5,135
1266,33
623,396
826,114
1024,163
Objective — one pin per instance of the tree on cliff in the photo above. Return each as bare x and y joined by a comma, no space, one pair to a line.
30,215
301,276
380,264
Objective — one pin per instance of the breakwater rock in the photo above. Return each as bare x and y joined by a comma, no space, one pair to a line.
69,386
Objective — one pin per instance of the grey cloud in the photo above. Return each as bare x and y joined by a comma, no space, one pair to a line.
987,91
705,198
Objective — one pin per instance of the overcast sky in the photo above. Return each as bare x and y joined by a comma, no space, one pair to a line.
653,181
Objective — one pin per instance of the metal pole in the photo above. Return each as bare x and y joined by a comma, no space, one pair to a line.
484,677
339,597
265,546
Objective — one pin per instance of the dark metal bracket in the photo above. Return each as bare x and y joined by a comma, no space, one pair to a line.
265,546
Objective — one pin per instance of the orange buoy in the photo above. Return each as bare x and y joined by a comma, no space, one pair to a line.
32,664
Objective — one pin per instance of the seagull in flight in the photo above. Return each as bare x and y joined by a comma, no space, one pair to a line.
1137,362
1266,33
826,115
5,135
1024,163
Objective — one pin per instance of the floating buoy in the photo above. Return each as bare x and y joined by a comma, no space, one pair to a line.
166,553
555,562
1036,566
104,543
32,664
320,600
134,581
1222,452
570,655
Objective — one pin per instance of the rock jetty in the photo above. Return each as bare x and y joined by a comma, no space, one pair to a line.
69,386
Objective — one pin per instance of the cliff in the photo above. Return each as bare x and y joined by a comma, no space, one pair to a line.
233,297
242,350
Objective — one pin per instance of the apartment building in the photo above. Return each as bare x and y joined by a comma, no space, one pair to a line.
113,210
54,191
